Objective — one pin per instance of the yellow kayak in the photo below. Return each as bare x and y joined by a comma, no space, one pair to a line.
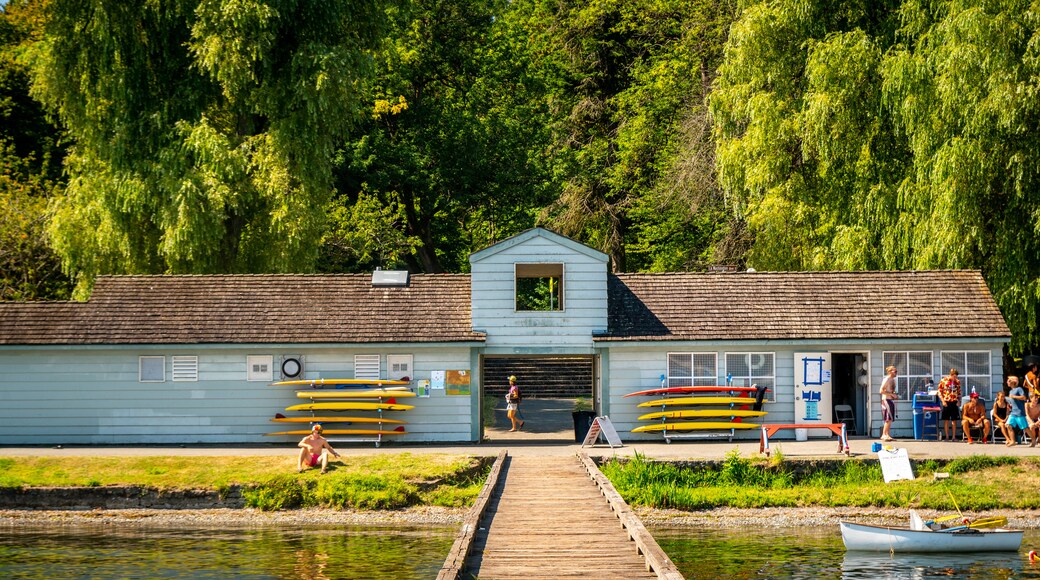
349,406
397,431
348,394
694,413
694,426
330,419
699,401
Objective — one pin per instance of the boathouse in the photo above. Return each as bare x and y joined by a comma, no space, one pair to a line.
191,359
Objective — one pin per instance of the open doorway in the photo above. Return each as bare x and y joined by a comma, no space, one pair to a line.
552,388
851,387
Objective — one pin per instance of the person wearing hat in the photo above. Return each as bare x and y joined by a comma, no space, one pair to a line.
950,397
974,417
513,405
315,449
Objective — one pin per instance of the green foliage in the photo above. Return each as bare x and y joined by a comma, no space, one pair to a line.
887,135
30,166
281,492
980,483
629,127
978,463
204,131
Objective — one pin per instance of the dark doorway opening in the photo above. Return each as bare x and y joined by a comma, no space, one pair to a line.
849,382
552,387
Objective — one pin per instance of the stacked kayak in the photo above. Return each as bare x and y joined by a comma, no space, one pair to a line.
701,408
363,403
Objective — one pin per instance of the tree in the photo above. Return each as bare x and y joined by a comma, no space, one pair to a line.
30,165
634,76
446,162
888,135
203,131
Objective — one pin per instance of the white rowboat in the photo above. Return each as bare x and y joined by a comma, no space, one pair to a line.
866,538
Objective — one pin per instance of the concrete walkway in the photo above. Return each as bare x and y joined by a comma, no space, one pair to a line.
812,449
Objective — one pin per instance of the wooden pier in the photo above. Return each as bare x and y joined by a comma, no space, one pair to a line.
553,517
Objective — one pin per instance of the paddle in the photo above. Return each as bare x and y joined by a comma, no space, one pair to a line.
981,523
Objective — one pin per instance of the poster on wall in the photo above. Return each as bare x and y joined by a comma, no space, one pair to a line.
457,382
423,389
437,380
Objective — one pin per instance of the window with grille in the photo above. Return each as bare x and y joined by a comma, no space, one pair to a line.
913,371
366,366
744,369
973,369
692,369
151,369
260,367
185,368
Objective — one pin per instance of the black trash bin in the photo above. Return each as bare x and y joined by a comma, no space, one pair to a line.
582,423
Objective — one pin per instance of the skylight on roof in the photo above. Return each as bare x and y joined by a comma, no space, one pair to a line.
390,278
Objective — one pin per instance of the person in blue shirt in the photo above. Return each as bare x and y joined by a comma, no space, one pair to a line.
1017,420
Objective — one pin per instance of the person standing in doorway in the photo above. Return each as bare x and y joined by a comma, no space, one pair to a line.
888,403
950,397
513,399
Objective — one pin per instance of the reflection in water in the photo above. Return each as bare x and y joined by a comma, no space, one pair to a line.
817,552
316,553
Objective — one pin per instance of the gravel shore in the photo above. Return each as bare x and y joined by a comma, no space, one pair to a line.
715,518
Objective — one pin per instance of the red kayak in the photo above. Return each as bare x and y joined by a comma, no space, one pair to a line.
716,389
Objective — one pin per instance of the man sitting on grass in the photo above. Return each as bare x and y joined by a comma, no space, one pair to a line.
315,449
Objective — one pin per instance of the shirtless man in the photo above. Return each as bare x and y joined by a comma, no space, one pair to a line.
1033,417
315,449
888,403
974,416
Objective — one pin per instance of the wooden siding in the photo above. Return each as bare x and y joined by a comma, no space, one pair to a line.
638,368
585,298
93,397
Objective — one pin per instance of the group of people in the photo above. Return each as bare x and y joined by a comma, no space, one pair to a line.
1016,409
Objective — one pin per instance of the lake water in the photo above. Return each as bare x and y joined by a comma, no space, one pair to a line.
817,552
418,552
335,552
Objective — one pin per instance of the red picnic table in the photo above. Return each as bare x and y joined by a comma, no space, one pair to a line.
769,429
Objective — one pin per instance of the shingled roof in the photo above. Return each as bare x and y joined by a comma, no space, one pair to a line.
243,309
802,305
264,309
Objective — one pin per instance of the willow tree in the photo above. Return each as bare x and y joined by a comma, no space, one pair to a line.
888,135
203,131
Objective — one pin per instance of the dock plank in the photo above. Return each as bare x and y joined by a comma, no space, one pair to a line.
549,519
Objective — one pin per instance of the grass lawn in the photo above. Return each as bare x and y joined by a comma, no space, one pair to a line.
975,483
373,482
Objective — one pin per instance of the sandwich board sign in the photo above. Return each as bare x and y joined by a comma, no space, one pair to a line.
602,426
895,464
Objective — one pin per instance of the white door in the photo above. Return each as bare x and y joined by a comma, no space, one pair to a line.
812,391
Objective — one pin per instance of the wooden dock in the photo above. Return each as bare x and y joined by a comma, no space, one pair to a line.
552,517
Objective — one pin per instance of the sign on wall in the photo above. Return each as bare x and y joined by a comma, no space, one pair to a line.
457,382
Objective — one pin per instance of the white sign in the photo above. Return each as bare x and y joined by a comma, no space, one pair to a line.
602,426
895,464
437,380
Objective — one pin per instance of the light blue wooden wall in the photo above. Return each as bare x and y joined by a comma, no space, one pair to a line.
634,367
566,331
92,395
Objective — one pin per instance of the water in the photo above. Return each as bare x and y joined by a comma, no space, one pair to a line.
817,552
328,552
69,552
